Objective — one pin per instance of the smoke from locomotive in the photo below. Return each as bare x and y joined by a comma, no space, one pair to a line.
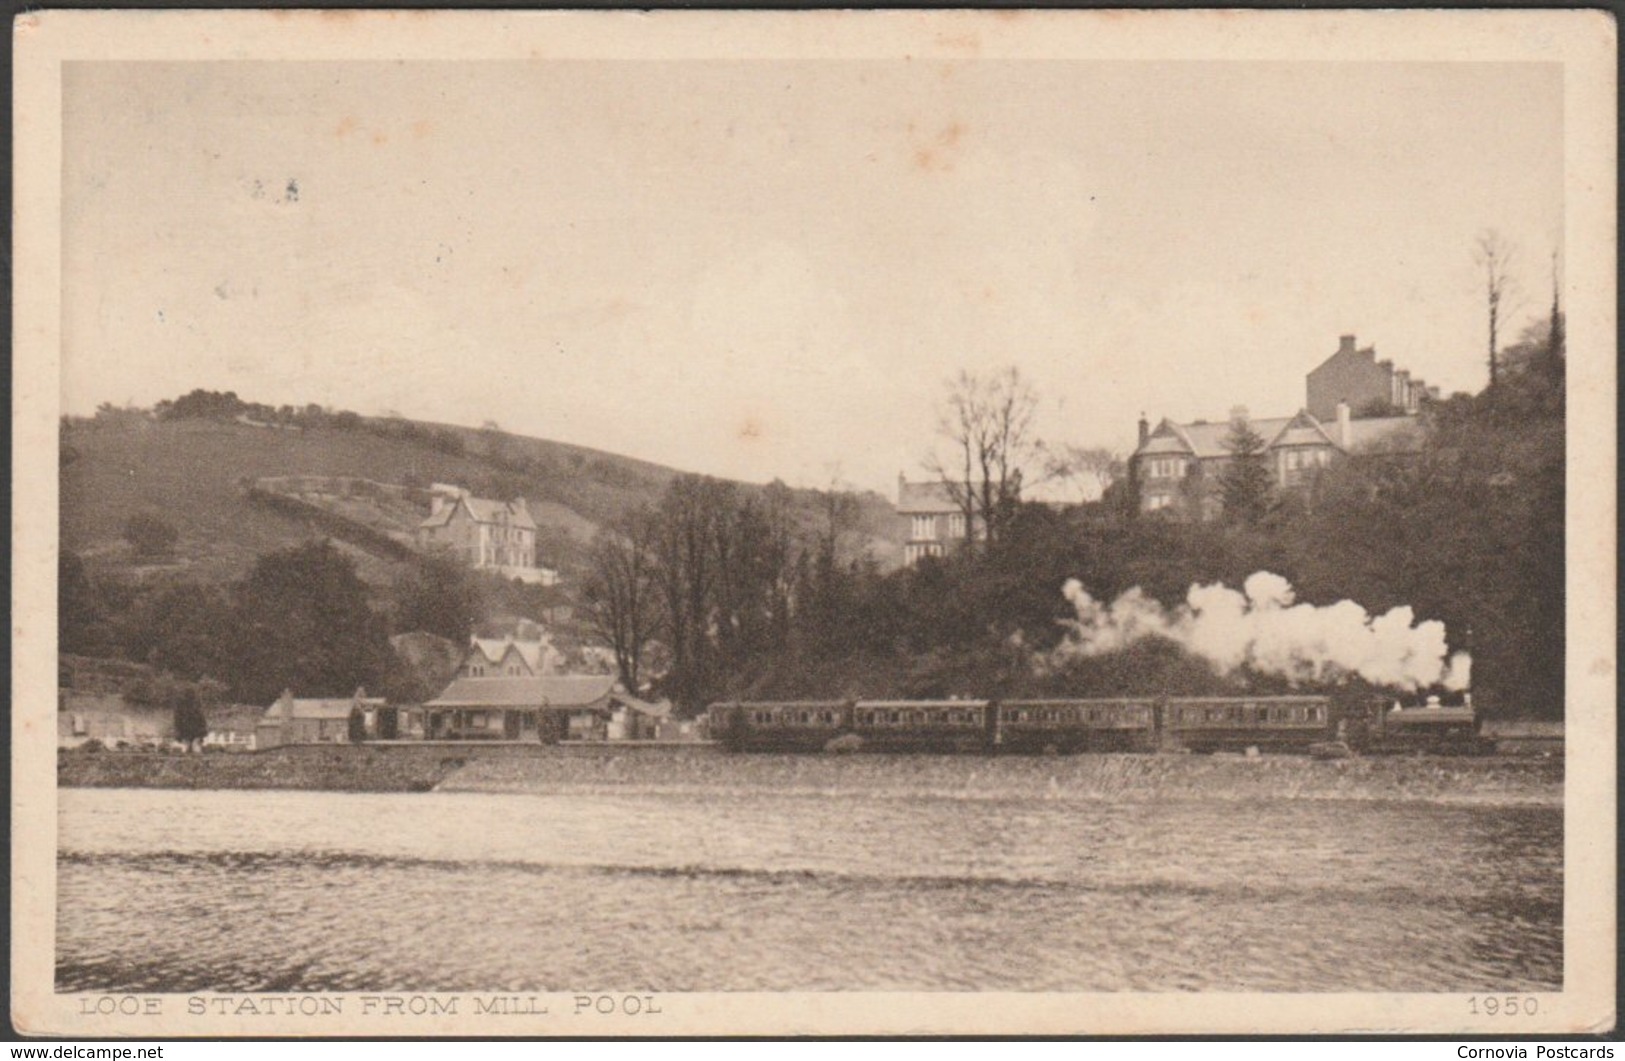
1263,628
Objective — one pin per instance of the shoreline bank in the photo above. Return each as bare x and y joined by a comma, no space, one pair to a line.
606,769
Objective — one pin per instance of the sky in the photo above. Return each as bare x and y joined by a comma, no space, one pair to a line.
768,270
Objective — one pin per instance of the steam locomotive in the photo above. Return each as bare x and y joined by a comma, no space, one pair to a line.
1303,724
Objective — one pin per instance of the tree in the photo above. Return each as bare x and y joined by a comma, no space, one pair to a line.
686,525
1494,254
755,563
303,621
439,595
150,534
81,616
987,423
1245,482
184,628
191,725
1089,471
619,594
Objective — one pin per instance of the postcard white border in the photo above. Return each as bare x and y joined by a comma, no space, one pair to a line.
1583,41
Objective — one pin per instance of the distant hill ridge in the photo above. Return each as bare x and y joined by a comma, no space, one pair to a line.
217,474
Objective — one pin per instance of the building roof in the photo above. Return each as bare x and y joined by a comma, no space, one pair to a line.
928,498
495,648
1206,439
288,707
483,510
552,690
1302,430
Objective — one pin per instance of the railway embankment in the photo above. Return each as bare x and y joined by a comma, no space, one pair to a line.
1510,782
401,767
606,769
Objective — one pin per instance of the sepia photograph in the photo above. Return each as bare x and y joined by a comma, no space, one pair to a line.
821,523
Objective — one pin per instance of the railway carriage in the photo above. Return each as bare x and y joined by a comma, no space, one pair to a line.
1269,723
1067,726
923,725
803,725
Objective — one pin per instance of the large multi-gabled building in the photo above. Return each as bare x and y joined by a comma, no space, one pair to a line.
1354,404
1178,467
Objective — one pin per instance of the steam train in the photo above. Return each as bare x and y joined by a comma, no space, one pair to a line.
1304,724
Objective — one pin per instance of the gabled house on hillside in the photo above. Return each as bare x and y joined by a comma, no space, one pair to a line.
936,522
497,536
509,657
1177,467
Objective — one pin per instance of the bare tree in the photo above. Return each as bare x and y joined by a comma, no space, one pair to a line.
620,593
840,510
987,422
1088,470
686,526
1494,254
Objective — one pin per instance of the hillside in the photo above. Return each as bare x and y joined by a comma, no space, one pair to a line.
194,474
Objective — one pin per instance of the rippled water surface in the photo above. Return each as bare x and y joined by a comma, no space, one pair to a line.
163,890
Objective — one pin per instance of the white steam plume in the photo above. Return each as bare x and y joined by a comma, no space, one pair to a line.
1264,629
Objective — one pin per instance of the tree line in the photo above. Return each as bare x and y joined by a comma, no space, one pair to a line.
733,599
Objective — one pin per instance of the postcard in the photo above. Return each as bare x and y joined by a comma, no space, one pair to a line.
673,523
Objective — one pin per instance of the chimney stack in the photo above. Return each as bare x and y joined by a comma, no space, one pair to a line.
1345,344
1145,429
1344,434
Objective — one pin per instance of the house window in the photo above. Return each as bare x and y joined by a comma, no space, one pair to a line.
1156,501
956,525
1167,468
925,528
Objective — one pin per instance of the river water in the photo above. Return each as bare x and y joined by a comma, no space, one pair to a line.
729,888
